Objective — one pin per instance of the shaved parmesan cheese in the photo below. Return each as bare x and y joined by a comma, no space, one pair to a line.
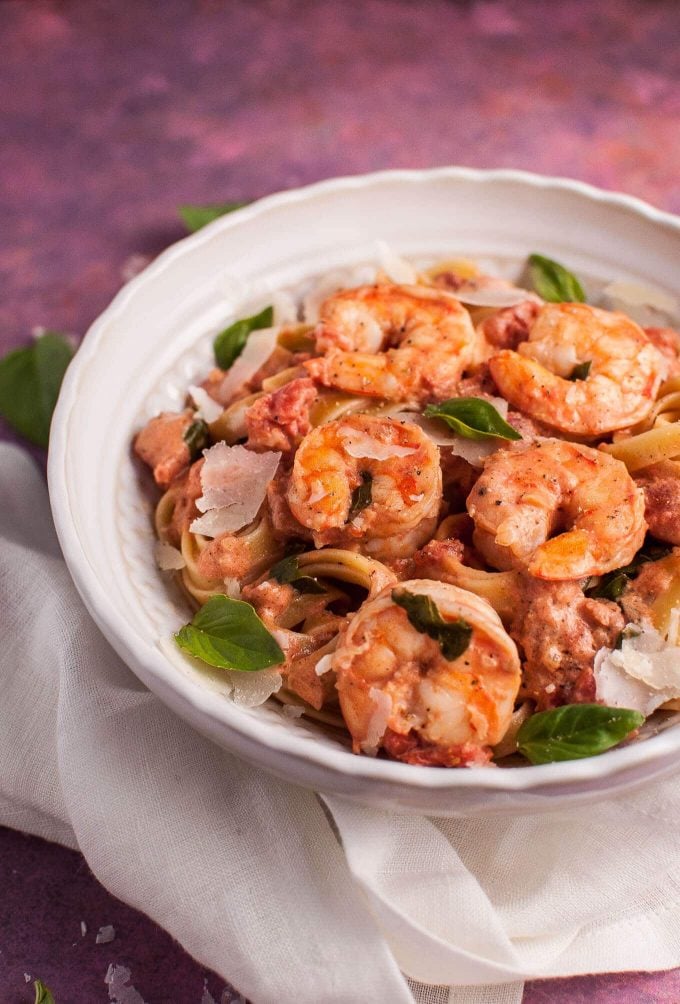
285,308
643,674
361,445
207,407
475,451
257,351
121,990
378,721
245,689
232,589
252,689
395,268
168,558
324,665
645,304
492,296
234,482
318,492
105,934
293,710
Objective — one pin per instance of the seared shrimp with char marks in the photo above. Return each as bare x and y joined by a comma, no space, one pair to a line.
401,688
403,343
529,491
369,483
621,370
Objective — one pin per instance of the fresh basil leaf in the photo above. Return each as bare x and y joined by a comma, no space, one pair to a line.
30,379
553,282
287,572
453,636
361,496
228,633
196,437
195,217
581,371
575,731
43,995
230,343
612,585
473,418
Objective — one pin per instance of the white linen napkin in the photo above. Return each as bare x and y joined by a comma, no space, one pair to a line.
247,872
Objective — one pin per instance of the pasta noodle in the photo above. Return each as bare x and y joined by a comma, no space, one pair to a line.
646,448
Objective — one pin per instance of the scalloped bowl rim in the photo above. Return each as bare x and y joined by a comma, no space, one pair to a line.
183,695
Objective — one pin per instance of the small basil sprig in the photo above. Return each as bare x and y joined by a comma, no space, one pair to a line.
553,282
228,633
30,380
230,343
581,371
453,636
287,572
196,437
575,731
473,418
43,995
362,496
612,585
195,217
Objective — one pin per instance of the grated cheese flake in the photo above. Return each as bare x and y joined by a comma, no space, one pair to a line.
257,351
207,407
324,665
643,674
234,482
361,445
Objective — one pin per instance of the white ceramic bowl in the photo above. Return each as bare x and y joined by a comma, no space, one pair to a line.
155,339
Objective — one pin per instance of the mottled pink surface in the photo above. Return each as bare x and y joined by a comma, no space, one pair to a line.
112,114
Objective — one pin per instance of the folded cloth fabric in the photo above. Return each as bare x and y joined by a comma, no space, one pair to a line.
248,872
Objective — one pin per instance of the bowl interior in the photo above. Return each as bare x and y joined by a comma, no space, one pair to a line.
155,340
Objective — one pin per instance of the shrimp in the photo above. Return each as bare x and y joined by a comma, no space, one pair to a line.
529,491
622,370
369,483
402,343
399,690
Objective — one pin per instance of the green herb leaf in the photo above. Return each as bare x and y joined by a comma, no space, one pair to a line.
473,418
553,282
581,371
287,571
612,585
361,496
30,379
195,217
42,994
230,343
228,633
575,731
196,437
453,636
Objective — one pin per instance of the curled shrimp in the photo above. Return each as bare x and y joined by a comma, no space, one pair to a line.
402,343
621,370
369,483
530,491
398,689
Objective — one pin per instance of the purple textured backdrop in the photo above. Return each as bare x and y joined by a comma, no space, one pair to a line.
112,114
